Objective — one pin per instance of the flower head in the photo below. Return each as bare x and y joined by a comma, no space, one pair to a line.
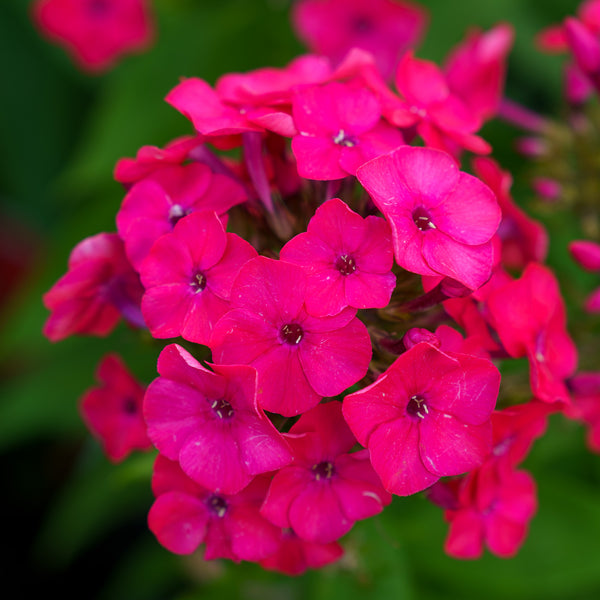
420,427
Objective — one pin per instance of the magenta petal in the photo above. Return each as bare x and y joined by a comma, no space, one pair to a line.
287,484
395,456
467,390
421,81
465,536
252,536
165,308
222,275
262,448
315,514
271,288
470,214
164,417
178,521
358,487
470,265
283,384
335,360
317,158
204,311
450,447
381,402
369,290
240,337
211,457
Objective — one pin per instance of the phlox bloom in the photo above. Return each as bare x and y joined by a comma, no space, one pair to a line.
494,509
156,203
442,219
185,515
385,28
99,288
113,410
426,417
529,315
347,259
339,128
188,276
96,32
327,488
210,423
299,358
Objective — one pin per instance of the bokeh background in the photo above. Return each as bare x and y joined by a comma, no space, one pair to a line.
74,523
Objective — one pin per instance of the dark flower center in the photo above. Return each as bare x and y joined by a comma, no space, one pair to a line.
345,264
198,282
130,406
217,505
291,334
222,408
422,219
417,407
341,139
323,470
176,213
362,24
99,7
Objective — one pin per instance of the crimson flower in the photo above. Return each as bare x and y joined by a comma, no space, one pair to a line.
188,276
156,203
327,488
442,219
299,357
339,128
347,259
113,410
185,515
96,32
210,422
99,288
385,28
420,427
494,509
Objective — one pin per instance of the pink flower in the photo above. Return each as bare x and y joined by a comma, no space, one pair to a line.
494,508
327,488
295,555
530,318
426,417
113,411
385,28
339,128
188,276
476,69
347,259
299,358
442,118
442,219
155,204
99,287
210,422
96,32
185,515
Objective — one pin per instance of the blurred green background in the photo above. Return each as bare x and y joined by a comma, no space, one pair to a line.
76,524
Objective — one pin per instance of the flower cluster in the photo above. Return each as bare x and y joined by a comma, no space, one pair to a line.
335,276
